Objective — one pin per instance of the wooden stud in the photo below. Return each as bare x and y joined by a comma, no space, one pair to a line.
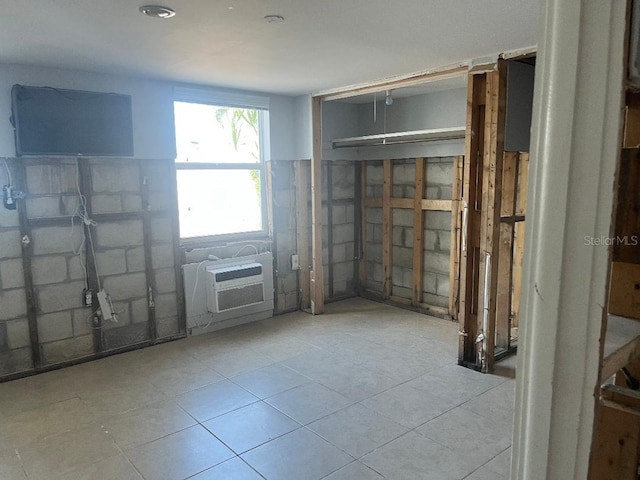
330,227
418,233
317,282
454,254
627,220
490,221
146,234
632,121
387,220
408,203
20,179
362,257
302,222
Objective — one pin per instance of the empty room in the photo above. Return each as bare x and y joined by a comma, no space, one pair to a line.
330,240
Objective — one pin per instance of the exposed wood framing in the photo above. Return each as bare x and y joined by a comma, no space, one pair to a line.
20,178
330,226
632,121
302,222
387,221
408,203
362,264
454,260
148,262
472,180
317,285
418,233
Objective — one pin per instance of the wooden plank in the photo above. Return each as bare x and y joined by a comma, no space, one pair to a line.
440,205
624,290
467,309
614,454
632,120
329,169
505,260
518,259
523,184
491,202
454,254
302,231
627,220
317,283
418,233
387,219
362,267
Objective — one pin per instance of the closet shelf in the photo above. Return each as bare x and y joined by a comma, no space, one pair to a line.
430,135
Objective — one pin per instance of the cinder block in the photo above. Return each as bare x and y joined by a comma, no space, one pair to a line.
158,176
343,233
162,256
374,191
439,173
166,305
377,233
54,326
339,253
8,218
402,236
350,213
339,214
11,274
114,178
397,276
111,262
443,286
435,300
343,192
74,268
158,201
69,349
289,282
430,240
436,262
161,230
82,321
50,179
430,282
14,304
374,174
124,287
291,300
438,220
60,296
402,257
432,193
18,333
10,246
404,174
136,260
42,207
369,235
133,203
343,272
401,292
374,252
123,315
373,286
48,240
49,269
14,361
444,240
165,280
350,254
106,203
402,217
167,326
125,233
446,192
407,278
139,311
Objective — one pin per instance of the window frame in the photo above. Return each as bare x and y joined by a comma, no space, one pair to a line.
217,99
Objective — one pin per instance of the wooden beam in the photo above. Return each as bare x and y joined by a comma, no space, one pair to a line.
491,203
317,285
418,233
443,73
408,203
329,182
302,232
387,219
439,205
454,254
632,121
362,266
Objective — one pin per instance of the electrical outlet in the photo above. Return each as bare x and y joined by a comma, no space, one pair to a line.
295,262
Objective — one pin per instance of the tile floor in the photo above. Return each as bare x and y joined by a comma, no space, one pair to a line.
364,392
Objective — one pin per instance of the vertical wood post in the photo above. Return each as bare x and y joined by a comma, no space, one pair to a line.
302,223
418,233
317,282
387,220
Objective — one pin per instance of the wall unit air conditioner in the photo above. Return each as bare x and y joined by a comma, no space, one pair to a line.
238,286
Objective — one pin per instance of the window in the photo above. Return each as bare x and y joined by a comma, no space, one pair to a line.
219,169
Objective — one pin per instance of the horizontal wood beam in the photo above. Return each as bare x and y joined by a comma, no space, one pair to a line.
408,203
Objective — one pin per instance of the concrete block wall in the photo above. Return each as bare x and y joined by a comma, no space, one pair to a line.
15,351
116,194
437,230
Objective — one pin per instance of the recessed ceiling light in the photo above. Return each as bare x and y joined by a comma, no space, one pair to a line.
157,11
274,18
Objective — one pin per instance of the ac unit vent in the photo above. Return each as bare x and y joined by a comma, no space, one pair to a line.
240,297
238,272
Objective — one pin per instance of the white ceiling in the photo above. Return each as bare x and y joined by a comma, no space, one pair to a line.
322,44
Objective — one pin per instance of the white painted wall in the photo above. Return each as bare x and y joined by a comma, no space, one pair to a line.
303,128
152,103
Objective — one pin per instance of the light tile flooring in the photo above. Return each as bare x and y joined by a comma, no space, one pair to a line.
364,392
